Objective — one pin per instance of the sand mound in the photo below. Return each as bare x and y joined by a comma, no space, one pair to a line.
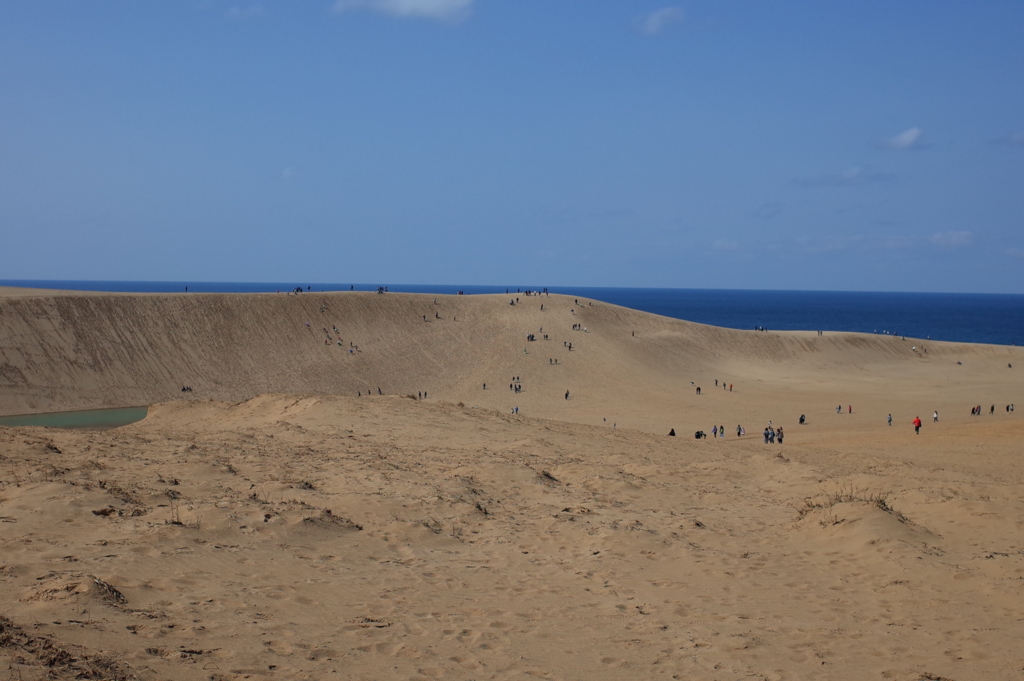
79,586
868,524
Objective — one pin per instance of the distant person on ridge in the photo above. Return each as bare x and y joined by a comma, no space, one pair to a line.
917,425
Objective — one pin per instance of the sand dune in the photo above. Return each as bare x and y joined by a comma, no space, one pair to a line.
62,352
273,524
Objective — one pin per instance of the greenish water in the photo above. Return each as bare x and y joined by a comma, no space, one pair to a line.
92,418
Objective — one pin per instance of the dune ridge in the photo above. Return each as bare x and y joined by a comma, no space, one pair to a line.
68,351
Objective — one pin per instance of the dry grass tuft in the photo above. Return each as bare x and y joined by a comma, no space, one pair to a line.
61,661
851,495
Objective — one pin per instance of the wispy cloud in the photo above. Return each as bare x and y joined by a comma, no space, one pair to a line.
770,210
952,239
614,213
289,173
246,12
1015,252
894,243
657,21
851,177
910,139
1013,139
725,245
853,242
443,10
817,244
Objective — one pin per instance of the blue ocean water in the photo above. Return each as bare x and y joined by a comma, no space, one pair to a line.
963,317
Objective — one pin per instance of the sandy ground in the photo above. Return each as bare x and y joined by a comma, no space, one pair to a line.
315,533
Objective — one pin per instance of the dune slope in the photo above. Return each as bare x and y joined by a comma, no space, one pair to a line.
69,351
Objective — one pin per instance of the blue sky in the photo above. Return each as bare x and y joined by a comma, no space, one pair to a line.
774,145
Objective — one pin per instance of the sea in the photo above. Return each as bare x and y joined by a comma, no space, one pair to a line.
963,317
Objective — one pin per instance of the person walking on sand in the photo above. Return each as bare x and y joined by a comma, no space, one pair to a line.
890,419
714,431
739,430
566,394
935,417
778,434
917,425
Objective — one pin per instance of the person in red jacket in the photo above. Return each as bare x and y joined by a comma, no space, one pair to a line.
917,425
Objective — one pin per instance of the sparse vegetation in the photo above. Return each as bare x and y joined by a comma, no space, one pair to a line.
59,661
825,502
175,519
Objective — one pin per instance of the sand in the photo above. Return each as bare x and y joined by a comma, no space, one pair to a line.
275,524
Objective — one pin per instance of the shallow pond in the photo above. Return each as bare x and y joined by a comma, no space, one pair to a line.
91,418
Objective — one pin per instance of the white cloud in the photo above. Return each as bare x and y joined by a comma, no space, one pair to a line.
446,10
906,140
247,12
895,243
830,243
952,239
657,21
851,177
1014,139
770,210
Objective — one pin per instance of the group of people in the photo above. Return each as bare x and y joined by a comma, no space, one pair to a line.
186,388
771,434
976,411
327,335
